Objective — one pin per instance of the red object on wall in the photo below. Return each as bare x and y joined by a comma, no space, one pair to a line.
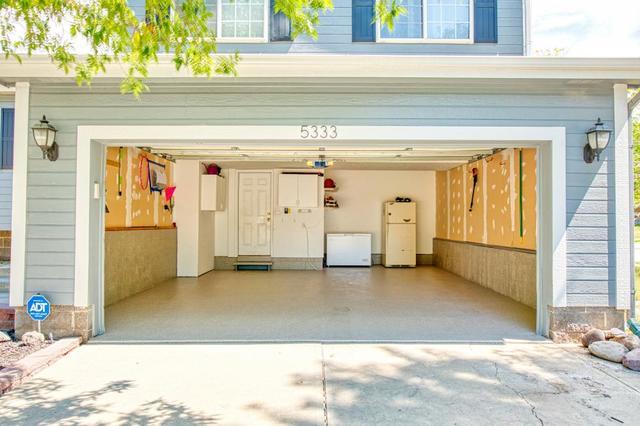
213,169
329,183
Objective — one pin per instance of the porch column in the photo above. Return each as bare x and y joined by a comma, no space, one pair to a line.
623,212
19,196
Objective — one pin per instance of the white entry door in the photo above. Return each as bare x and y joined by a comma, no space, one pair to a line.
254,214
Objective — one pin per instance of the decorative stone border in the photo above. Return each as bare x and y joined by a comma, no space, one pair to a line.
22,370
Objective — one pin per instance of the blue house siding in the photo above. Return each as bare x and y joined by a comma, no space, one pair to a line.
590,188
335,36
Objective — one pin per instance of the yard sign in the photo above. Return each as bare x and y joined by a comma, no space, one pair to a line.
38,307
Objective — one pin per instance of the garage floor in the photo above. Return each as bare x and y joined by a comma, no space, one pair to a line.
356,305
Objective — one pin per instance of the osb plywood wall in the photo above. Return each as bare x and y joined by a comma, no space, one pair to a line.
456,204
129,205
495,218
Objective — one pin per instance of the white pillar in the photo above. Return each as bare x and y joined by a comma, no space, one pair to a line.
623,213
19,196
195,228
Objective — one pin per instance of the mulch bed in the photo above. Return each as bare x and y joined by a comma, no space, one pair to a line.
11,352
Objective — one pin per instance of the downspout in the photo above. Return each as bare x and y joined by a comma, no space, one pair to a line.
633,103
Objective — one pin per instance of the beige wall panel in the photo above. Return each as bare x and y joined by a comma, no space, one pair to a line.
475,217
136,260
499,214
529,203
442,205
456,204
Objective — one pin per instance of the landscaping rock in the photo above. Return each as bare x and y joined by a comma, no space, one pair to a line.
4,337
630,341
593,335
613,333
632,360
609,350
33,338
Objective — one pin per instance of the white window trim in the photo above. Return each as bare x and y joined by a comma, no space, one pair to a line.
264,39
425,39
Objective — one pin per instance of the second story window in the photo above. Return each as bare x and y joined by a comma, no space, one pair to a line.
242,19
440,21
235,20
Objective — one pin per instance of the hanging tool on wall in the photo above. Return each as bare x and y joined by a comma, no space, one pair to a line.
520,193
143,177
168,197
120,158
474,172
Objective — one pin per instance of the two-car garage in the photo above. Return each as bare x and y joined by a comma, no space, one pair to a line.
246,258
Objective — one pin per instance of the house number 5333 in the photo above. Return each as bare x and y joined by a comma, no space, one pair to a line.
318,132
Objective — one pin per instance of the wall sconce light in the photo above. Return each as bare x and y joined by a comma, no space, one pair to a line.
45,136
598,138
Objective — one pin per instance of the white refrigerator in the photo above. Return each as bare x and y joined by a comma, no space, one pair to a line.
399,234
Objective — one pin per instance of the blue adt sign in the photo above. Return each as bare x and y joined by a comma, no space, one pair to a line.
38,307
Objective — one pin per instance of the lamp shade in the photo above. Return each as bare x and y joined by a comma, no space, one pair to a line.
598,136
44,133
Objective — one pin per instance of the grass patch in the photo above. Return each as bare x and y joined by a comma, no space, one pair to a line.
636,233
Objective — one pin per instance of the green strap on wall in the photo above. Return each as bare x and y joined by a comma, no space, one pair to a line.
520,195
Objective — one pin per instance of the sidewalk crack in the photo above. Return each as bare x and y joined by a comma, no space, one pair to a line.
519,394
324,387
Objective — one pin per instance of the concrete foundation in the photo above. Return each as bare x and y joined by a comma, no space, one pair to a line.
64,321
136,260
7,316
511,272
567,324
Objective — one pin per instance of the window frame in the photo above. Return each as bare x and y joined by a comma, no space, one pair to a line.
265,29
425,31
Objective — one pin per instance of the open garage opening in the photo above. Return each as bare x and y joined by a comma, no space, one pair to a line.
267,211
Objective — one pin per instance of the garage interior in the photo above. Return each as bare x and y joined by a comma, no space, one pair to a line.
250,243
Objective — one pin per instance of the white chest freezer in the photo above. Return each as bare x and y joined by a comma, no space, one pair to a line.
348,249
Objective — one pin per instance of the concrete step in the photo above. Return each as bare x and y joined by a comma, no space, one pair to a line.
253,265
254,258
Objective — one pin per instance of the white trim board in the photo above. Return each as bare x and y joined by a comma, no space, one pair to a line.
550,142
623,209
334,66
19,194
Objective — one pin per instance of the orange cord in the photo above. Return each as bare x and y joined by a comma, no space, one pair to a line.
146,181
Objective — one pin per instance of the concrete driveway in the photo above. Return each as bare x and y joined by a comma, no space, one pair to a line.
316,384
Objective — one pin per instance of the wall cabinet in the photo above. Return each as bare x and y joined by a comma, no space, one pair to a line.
299,190
213,193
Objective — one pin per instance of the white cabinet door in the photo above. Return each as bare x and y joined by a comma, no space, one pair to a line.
221,193
287,190
212,193
308,190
